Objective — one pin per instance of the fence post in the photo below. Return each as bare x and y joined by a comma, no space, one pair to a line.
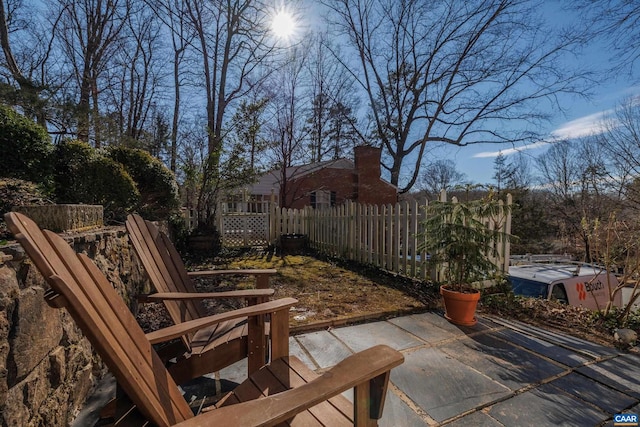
506,242
351,230
397,238
389,236
423,254
377,259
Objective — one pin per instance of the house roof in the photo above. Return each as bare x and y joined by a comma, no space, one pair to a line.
271,180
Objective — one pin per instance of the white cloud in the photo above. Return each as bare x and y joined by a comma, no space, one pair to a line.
593,124
509,151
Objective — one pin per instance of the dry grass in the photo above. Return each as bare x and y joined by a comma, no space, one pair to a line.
328,293
331,293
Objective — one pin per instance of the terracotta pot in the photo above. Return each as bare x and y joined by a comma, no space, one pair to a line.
460,308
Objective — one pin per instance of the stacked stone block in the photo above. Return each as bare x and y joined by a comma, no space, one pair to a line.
47,367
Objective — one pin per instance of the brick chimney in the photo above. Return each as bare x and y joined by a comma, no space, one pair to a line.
367,162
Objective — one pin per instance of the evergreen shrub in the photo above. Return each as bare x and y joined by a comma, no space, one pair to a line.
158,189
25,148
83,175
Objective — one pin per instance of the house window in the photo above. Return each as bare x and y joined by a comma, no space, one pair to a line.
258,203
321,199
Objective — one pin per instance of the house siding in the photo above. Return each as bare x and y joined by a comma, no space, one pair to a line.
362,184
358,181
340,181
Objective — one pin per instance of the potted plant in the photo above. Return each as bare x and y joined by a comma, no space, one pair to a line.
461,246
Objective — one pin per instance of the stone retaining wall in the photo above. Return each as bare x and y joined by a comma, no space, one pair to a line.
47,367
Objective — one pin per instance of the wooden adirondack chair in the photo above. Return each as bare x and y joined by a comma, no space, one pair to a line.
216,346
284,391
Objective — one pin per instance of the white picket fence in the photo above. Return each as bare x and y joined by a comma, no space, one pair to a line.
382,236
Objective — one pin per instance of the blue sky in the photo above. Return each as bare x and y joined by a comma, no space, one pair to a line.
580,118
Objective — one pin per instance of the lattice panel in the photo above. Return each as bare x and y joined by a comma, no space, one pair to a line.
245,230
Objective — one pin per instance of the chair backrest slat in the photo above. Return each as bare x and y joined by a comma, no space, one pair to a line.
106,321
164,266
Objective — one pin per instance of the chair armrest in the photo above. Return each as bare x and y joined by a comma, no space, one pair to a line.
248,272
175,331
162,296
353,371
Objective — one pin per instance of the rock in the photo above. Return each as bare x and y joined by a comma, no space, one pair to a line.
47,367
36,330
625,336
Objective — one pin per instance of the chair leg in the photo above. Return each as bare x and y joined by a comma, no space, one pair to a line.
256,339
369,400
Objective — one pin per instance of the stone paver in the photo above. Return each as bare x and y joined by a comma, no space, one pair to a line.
544,348
502,361
397,413
607,399
324,348
476,419
546,406
497,373
580,346
361,337
617,373
443,386
419,325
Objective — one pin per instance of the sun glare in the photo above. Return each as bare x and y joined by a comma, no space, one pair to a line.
283,25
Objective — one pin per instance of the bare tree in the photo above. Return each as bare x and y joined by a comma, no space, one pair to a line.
441,175
576,179
559,169
332,123
234,46
130,85
181,37
286,126
28,68
521,178
618,23
173,14
233,41
620,142
89,32
453,72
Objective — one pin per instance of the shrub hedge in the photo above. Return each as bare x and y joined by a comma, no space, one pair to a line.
159,195
121,179
25,148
